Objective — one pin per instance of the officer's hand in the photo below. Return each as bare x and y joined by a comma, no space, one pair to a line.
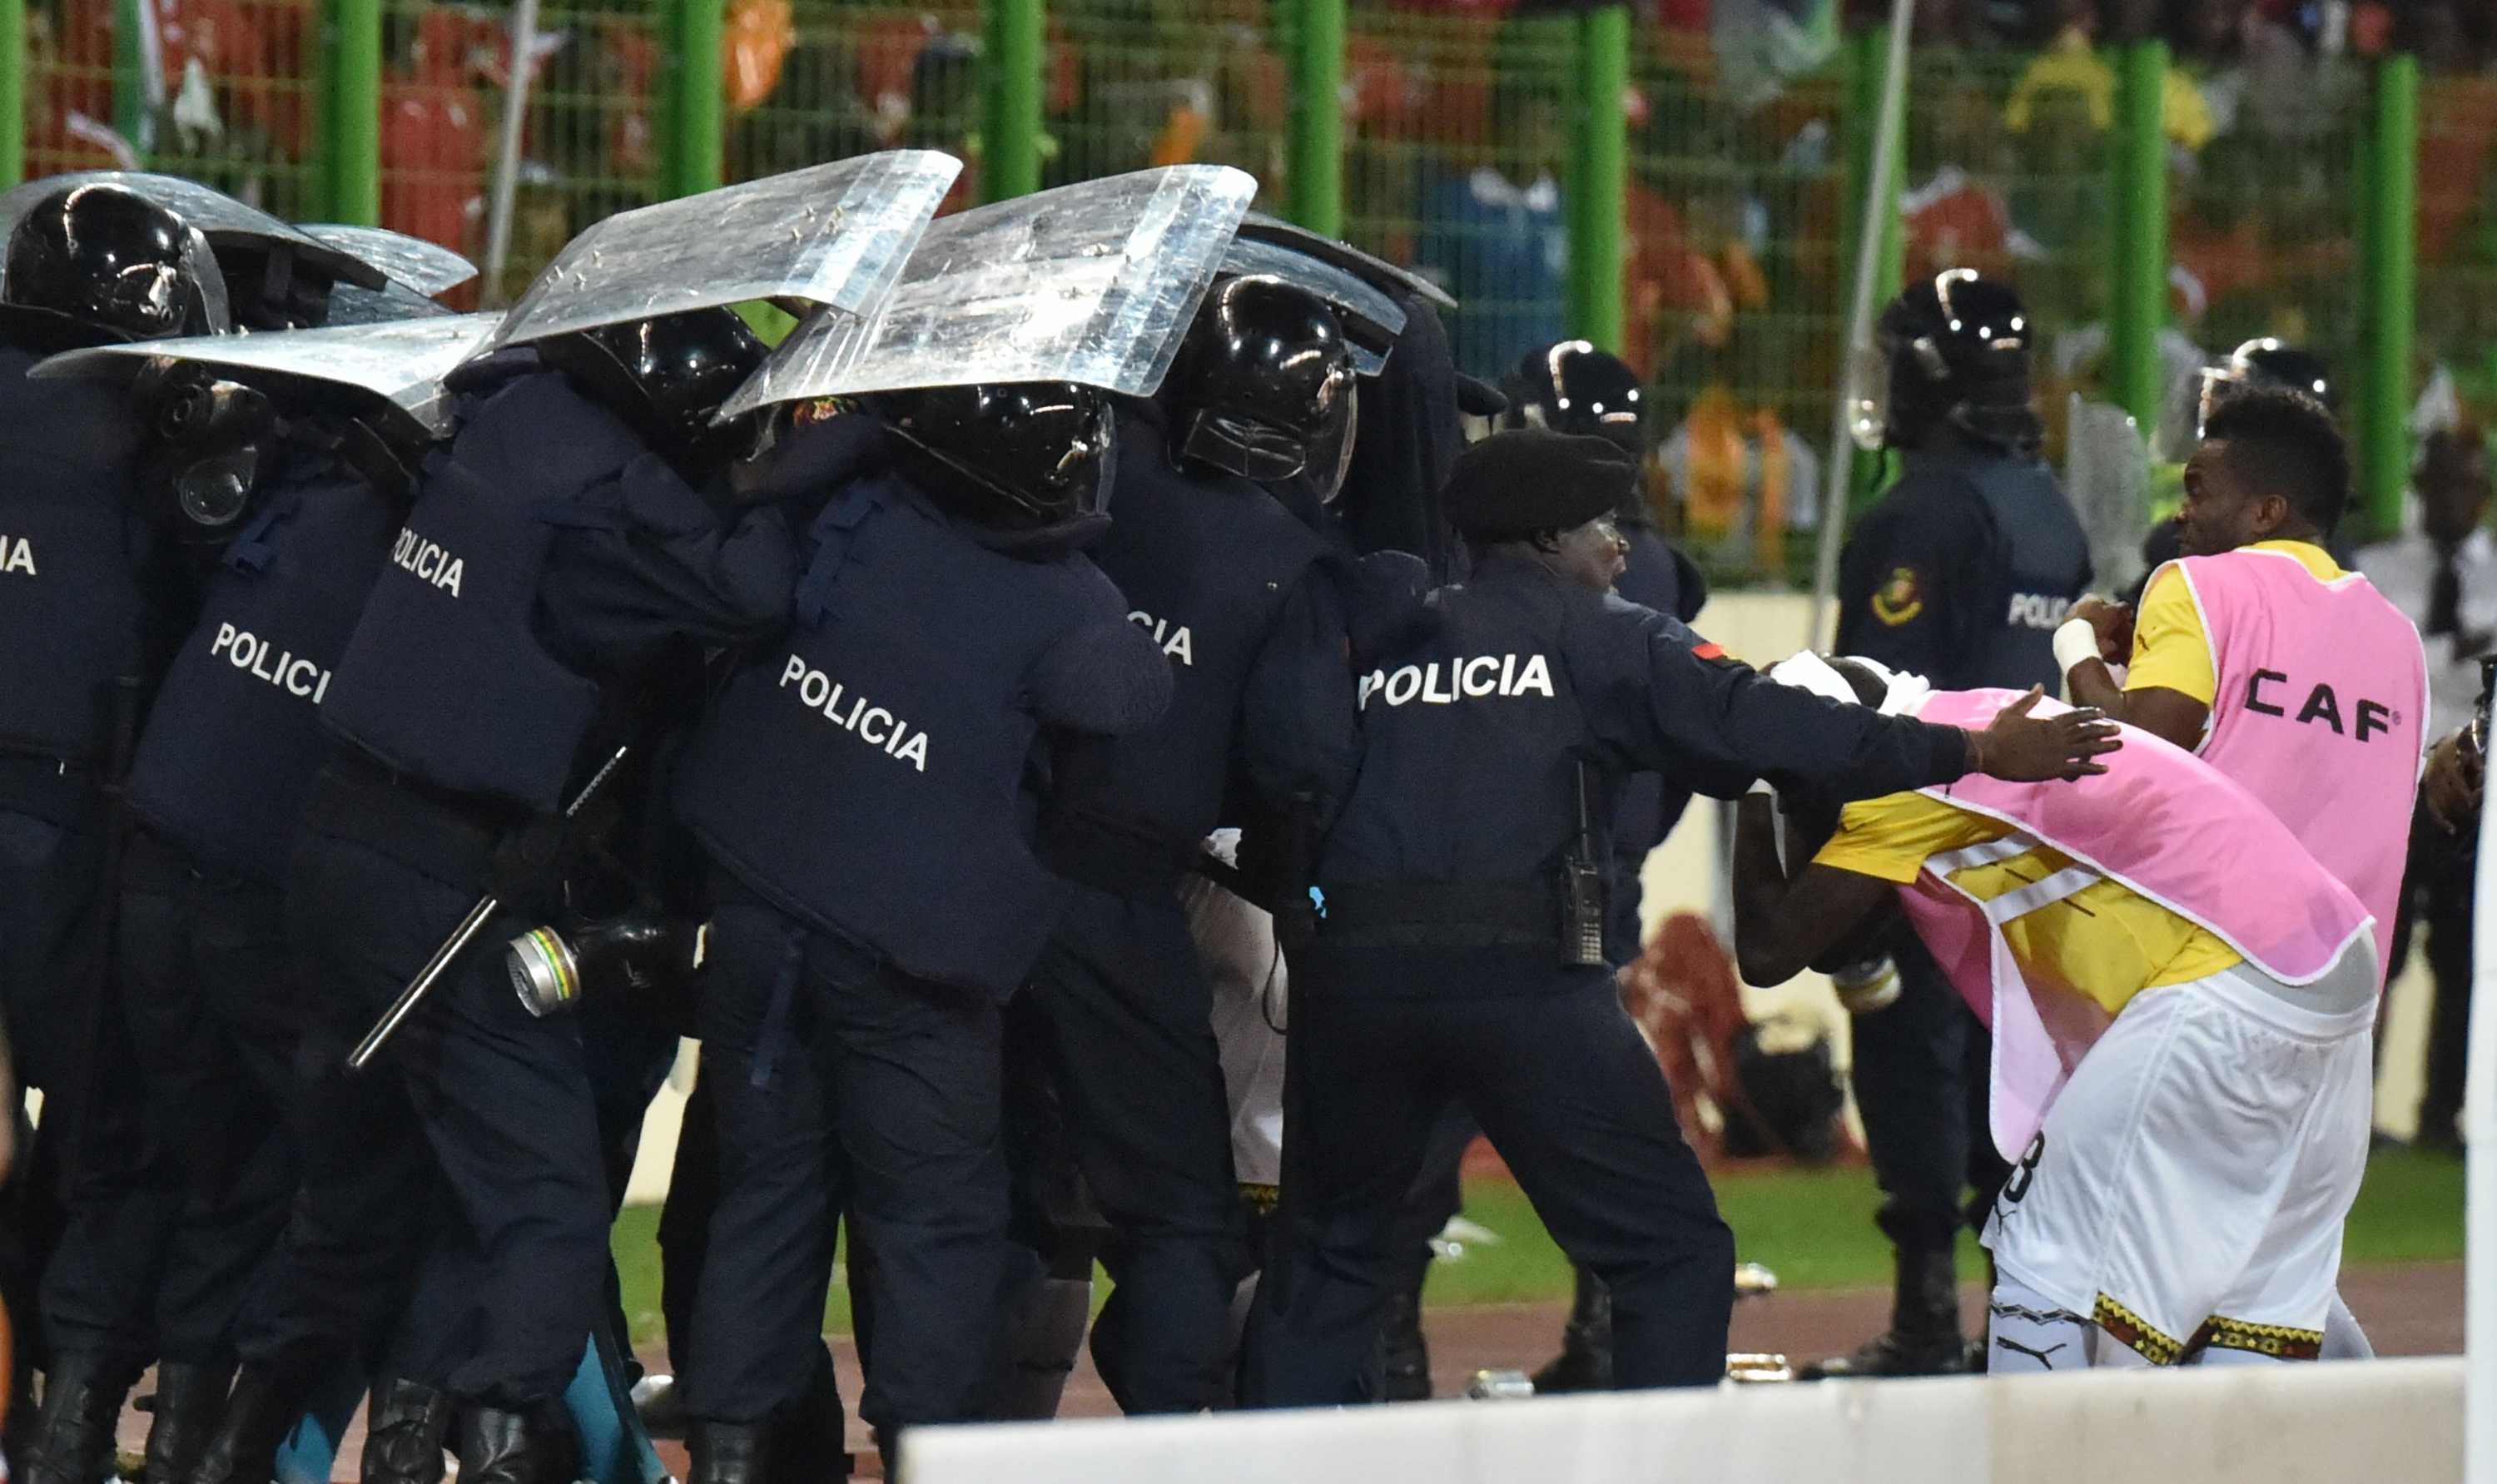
2021,748
2113,624
2455,776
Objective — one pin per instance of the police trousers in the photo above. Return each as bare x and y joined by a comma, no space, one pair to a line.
477,1115
839,1084
85,1215
214,1010
1549,1063
1125,1011
1921,1074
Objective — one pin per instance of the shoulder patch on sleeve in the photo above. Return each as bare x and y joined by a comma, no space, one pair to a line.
1900,598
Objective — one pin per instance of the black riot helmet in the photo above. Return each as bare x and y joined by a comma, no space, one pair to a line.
1574,388
667,376
89,265
2266,362
1263,385
1016,457
1955,352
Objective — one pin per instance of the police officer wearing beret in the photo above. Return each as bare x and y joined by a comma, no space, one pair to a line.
90,599
564,561
1459,951
1961,574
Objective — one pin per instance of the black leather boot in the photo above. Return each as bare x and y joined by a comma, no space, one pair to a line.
1924,1336
404,1432
729,1452
188,1402
505,1447
1586,1359
73,1436
1405,1356
259,1412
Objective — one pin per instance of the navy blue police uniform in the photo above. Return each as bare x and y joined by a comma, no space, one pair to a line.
863,788
86,601
1442,968
1960,574
552,570
1235,593
217,783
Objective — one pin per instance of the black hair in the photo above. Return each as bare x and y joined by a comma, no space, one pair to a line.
2285,442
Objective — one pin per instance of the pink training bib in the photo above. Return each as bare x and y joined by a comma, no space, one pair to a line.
2165,824
2321,713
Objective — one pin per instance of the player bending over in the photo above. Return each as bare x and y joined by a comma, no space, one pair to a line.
2181,1002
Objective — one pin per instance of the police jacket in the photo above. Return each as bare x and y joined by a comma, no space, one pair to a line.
74,608
549,563
1235,594
870,772
1467,803
235,737
1964,570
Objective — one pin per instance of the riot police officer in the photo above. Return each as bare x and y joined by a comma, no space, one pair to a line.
1960,574
1457,951
1236,594
89,610
863,788
563,559
217,781
1576,388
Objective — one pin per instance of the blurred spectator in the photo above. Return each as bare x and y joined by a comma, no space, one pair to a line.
1495,236
2445,577
2070,67
434,135
1738,477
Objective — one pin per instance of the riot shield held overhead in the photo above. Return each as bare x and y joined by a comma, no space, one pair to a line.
1093,283
402,364
1371,320
417,270
1376,272
2107,472
226,221
427,268
832,235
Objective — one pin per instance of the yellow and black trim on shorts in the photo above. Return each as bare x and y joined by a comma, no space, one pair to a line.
2137,1334
2280,1341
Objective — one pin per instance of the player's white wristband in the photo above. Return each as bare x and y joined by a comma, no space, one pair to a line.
2075,642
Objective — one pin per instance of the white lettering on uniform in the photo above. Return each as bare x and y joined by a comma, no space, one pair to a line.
414,553
18,555
1179,645
245,650
879,728
1469,679
2037,610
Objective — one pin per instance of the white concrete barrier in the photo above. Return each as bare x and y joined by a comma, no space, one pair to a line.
2351,1423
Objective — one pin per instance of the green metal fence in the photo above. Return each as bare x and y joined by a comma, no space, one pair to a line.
2151,211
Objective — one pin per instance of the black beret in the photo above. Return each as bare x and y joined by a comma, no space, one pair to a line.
1531,479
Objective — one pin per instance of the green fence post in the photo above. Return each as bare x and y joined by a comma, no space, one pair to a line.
2391,209
697,99
1010,144
2139,279
129,80
1867,59
1599,175
353,124
1314,144
13,92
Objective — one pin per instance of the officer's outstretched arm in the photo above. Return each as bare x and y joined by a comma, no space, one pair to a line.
1713,719
1783,925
